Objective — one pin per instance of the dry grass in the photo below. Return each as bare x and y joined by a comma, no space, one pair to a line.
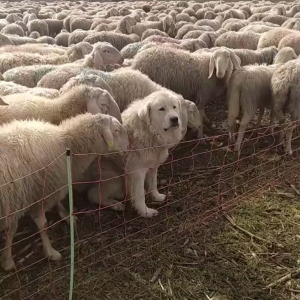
229,229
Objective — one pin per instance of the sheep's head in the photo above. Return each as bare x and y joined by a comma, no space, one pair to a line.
223,60
169,26
113,133
4,40
105,54
79,50
193,115
129,21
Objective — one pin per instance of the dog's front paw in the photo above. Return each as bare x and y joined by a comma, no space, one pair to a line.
158,197
148,212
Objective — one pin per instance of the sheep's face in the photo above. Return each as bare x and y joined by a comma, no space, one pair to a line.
193,115
105,54
120,137
223,60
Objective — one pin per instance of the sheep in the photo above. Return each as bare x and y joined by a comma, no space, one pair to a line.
80,23
273,37
54,26
77,36
209,38
33,48
34,35
250,88
151,31
13,29
12,60
238,40
118,40
128,25
4,40
86,79
103,54
79,100
235,25
27,76
85,133
276,19
46,40
260,56
257,28
215,24
8,88
38,25
291,40
178,67
285,92
18,40
284,55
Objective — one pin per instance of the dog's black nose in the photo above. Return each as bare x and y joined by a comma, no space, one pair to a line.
174,120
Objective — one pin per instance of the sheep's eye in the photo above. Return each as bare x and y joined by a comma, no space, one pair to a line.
174,106
162,109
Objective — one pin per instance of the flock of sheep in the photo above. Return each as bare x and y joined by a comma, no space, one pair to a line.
111,77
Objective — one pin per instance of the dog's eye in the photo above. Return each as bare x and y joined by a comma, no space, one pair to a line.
174,107
162,109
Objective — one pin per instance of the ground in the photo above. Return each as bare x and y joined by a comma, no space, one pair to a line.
229,230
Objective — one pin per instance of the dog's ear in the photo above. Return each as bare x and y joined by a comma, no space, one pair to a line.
144,113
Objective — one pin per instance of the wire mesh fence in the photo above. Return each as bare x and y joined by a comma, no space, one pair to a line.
109,252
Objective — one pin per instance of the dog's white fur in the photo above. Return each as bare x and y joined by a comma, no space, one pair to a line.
151,135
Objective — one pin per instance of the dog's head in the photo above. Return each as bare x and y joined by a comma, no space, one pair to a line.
162,111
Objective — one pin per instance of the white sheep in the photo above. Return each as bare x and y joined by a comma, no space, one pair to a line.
79,100
273,37
34,145
250,89
238,40
284,55
8,88
178,67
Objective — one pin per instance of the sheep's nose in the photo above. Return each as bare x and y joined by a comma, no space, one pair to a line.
174,121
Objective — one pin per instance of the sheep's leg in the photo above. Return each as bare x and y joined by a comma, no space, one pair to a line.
137,193
151,185
64,214
231,125
93,196
8,263
289,134
205,118
260,116
41,223
200,130
244,122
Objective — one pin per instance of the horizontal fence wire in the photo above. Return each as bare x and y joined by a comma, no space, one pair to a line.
204,180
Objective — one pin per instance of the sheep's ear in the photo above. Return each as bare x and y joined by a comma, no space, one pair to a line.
128,26
144,113
211,66
98,62
236,61
92,107
165,24
2,102
107,134
114,109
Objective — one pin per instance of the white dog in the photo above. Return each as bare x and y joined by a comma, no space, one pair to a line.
153,125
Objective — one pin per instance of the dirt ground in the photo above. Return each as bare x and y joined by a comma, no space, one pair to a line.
228,230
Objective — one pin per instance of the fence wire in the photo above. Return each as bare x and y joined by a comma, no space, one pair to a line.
203,182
